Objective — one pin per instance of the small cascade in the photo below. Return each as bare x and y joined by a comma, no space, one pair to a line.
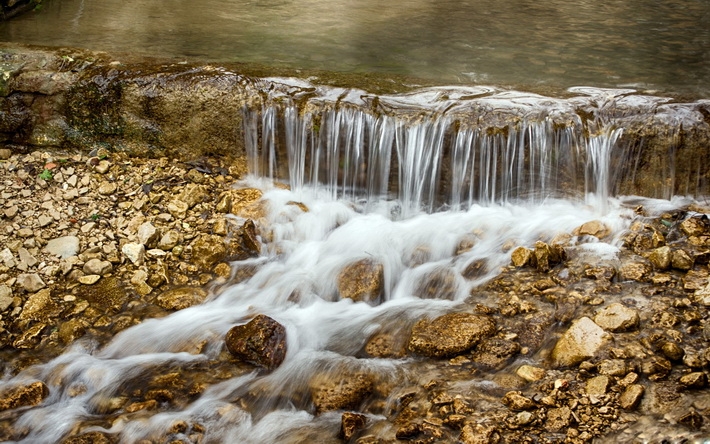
429,163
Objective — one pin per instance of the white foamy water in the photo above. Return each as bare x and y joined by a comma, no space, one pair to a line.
296,285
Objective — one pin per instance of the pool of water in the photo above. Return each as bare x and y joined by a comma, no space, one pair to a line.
645,44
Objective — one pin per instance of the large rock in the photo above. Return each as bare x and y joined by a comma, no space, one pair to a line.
261,341
450,334
594,228
581,341
617,317
362,281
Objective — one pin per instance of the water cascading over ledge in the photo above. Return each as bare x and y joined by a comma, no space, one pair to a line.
453,147
429,148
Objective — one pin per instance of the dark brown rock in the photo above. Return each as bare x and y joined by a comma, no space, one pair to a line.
350,423
450,334
362,281
261,341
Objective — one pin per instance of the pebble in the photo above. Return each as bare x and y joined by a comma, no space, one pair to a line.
30,282
617,317
134,252
5,297
631,397
97,266
107,188
89,279
63,247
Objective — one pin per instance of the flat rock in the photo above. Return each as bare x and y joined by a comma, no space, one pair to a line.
350,423
40,306
617,317
181,298
631,397
516,401
598,385
450,334
531,373
5,297
261,341
30,282
134,252
63,247
522,257
581,341
346,390
97,266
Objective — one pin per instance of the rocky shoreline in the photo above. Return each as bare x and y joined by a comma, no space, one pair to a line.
579,351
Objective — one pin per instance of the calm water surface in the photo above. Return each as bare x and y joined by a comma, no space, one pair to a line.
645,44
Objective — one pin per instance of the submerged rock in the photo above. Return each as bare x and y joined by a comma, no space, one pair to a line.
181,298
581,341
261,341
362,281
342,391
450,334
617,317
350,423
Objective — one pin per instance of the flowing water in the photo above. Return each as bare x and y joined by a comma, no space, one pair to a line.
403,180
523,43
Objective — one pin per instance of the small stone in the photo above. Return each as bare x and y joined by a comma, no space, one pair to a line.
181,298
107,188
612,367
30,282
339,390
169,240
581,341
522,257
530,373
89,279
44,220
350,423
692,419
694,226
558,419
594,228
134,252
617,317
97,266
660,258
635,271
178,209
672,351
12,211
5,297
516,401
25,232
695,380
63,247
26,257
598,385
681,260
631,397
147,234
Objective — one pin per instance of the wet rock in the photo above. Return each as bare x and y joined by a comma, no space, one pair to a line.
89,279
440,283
656,368
91,438
598,385
593,228
495,353
208,250
612,367
694,380
479,434
660,258
547,256
516,401
681,260
450,334
672,351
350,424
30,282
23,396
261,341
362,281
106,294
617,317
635,271
192,194
97,266
631,397
530,373
72,330
107,188
134,252
169,240
409,431
694,226
339,391
40,306
581,341
558,419
181,298
522,257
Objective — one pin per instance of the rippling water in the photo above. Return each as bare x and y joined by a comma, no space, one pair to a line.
523,43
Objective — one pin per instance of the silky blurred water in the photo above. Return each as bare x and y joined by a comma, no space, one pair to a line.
522,43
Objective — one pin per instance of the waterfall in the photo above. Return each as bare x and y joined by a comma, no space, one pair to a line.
435,162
